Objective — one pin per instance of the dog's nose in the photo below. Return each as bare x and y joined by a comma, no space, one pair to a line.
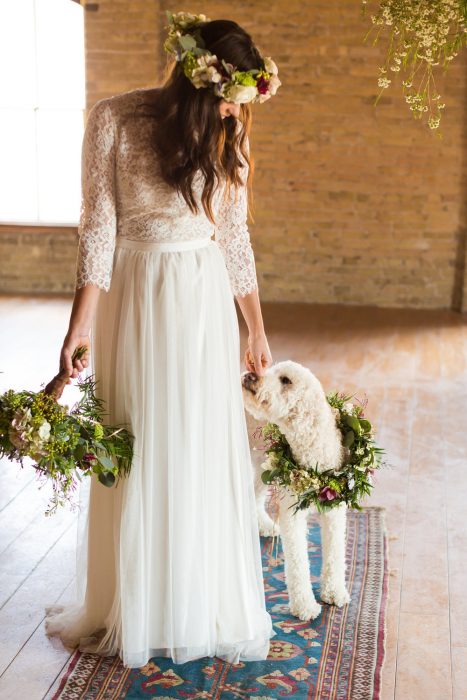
249,378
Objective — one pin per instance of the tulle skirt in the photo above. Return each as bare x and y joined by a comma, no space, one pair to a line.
168,559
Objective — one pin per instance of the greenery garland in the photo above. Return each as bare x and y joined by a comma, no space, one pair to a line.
327,488
64,444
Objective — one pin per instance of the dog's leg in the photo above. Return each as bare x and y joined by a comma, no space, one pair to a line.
294,530
267,528
333,524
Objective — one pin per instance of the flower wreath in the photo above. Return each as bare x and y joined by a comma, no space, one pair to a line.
204,69
327,488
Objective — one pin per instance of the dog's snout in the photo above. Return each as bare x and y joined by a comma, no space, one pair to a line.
250,378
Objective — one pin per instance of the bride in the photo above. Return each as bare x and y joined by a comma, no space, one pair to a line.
169,560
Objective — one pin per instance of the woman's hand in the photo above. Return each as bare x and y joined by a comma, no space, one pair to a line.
257,355
71,342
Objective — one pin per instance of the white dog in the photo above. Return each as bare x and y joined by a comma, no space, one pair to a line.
290,395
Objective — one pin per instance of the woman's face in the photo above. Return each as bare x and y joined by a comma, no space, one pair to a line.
228,109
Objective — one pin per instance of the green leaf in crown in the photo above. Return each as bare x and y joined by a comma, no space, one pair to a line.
327,488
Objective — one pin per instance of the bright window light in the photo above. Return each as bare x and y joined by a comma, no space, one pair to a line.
42,102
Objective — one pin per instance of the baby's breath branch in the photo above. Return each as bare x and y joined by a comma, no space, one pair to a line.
422,32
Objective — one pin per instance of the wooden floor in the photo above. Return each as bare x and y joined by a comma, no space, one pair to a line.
413,368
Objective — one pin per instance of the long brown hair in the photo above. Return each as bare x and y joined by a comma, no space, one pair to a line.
191,135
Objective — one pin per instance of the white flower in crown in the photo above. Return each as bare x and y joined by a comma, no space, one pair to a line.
184,20
274,83
206,72
270,66
239,93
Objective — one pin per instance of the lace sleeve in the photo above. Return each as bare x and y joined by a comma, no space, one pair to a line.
97,224
233,237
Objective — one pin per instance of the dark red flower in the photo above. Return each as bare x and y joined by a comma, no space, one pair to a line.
262,85
327,494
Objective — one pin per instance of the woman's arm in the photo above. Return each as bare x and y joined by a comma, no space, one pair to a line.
82,314
233,237
258,355
97,232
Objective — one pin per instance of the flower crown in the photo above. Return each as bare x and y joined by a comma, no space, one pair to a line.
204,69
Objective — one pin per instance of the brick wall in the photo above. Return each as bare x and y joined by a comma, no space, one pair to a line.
354,204
37,259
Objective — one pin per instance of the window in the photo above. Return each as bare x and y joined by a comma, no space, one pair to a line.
42,100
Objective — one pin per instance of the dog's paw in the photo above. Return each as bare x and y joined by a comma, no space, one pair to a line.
335,595
309,610
267,527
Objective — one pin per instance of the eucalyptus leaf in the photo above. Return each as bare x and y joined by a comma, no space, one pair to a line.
107,478
106,462
353,422
365,425
187,42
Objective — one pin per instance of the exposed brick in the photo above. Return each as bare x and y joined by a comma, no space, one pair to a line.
352,203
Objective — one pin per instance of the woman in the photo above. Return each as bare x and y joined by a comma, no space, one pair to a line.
169,561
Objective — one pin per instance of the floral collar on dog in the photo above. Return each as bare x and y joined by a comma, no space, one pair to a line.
327,488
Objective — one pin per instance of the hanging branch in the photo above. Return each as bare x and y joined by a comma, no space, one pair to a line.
423,34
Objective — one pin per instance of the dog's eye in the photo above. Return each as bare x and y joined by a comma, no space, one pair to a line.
285,380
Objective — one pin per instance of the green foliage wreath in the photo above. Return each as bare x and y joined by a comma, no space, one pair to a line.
327,488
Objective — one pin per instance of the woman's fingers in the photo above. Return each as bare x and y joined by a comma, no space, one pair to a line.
249,361
259,365
258,357
73,367
82,362
254,362
65,360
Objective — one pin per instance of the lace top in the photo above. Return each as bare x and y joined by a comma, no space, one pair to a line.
123,194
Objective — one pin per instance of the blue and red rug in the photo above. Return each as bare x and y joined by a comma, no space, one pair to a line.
336,657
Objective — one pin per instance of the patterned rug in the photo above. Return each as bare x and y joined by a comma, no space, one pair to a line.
335,657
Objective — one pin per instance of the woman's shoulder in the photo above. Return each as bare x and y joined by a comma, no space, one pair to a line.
123,103
130,95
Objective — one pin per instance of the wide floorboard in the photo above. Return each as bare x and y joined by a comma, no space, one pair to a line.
412,365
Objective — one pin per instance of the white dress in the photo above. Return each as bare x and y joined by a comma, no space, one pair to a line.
169,560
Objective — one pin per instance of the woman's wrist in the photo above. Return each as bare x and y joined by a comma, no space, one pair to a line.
256,332
77,331
83,310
